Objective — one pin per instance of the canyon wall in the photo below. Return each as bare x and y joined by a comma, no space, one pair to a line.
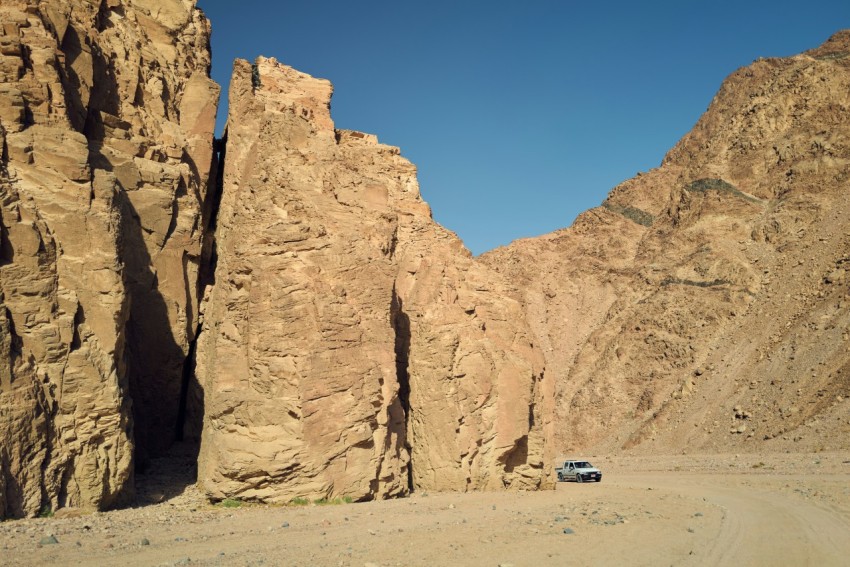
284,295
106,122
704,306
336,351
350,345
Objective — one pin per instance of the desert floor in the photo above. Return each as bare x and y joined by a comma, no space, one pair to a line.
787,509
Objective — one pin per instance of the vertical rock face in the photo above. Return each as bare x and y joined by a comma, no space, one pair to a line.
350,345
166,211
106,122
703,305
473,379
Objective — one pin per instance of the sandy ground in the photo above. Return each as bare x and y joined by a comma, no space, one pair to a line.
790,509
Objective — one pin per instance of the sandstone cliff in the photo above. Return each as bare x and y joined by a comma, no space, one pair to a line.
106,124
350,345
704,305
347,335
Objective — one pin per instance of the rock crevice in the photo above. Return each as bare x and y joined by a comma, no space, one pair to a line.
401,328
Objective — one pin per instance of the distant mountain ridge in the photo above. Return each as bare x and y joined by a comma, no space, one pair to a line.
704,305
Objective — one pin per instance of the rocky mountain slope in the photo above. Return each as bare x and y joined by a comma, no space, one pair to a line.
705,304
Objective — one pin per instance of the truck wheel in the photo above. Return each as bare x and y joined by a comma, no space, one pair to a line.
578,478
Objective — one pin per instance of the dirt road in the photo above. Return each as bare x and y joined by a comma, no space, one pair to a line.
769,520
716,510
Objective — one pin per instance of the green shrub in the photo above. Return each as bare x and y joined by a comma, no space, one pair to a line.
705,185
230,503
633,214
46,511
835,56
335,501
298,501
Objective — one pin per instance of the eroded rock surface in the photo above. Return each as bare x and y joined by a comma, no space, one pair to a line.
106,124
704,305
351,346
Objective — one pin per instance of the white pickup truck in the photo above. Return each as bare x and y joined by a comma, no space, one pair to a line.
579,471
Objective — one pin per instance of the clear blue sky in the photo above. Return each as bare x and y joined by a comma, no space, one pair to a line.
519,115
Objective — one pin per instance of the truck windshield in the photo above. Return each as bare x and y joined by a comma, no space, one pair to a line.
583,465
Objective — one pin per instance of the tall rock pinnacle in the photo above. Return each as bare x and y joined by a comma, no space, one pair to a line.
351,347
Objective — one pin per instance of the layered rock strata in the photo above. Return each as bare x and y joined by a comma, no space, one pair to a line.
350,345
106,125
704,305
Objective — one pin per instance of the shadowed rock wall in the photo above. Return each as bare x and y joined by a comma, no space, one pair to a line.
106,124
